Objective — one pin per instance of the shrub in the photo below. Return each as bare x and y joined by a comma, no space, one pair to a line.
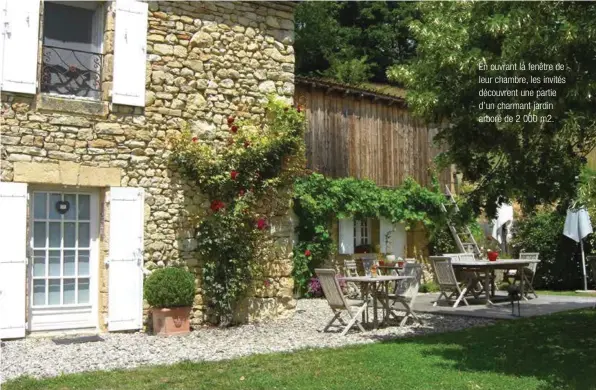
170,287
429,287
560,258
314,288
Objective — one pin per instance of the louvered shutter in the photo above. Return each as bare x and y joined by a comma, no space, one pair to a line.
19,45
125,261
13,260
346,236
130,53
397,237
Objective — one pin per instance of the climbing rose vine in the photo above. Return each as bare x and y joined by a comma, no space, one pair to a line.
255,162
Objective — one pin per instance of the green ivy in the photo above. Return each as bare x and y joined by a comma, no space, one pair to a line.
257,163
319,199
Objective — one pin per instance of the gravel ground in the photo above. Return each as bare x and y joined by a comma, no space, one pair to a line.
41,357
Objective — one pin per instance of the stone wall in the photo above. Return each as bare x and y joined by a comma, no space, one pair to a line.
206,61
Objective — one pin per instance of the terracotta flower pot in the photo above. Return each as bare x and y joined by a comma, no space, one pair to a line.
174,321
492,256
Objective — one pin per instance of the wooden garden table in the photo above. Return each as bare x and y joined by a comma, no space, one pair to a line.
489,267
376,282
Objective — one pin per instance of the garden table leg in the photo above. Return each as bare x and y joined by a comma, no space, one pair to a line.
487,287
522,281
375,318
492,283
365,296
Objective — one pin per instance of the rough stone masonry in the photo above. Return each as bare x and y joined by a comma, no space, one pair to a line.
205,61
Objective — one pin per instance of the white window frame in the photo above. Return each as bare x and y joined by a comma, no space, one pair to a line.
362,232
97,42
69,316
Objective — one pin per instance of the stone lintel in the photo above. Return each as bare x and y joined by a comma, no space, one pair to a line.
66,173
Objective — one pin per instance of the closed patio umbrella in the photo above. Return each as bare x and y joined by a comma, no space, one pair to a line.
577,227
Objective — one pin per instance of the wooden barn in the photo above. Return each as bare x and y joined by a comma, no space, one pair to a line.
367,132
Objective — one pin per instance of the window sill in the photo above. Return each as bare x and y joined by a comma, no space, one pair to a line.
72,105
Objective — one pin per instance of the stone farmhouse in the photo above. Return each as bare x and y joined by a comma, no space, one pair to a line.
91,91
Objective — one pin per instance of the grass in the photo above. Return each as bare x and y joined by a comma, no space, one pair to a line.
567,293
550,352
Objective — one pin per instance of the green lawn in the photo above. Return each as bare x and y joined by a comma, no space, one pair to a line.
569,293
551,352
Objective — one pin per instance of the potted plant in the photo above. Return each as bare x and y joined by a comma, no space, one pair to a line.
170,292
389,255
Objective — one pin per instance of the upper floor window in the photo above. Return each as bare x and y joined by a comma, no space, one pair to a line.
72,47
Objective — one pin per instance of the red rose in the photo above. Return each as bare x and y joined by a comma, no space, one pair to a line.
241,192
234,129
307,253
216,205
194,139
230,120
233,175
246,144
261,224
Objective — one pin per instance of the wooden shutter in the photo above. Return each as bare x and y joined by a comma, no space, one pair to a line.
19,45
130,53
13,259
346,236
125,262
398,237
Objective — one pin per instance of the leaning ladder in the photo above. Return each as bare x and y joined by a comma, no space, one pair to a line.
465,240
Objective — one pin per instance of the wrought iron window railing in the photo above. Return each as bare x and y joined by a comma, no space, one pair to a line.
71,72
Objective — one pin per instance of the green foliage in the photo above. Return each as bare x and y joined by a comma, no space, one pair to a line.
332,37
170,287
319,199
260,162
560,265
535,163
429,287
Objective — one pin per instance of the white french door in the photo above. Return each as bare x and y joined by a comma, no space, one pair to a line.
63,260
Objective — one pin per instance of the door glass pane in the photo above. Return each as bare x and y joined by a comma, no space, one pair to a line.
83,234
84,207
39,234
69,263
39,263
84,290
39,205
72,200
69,291
69,234
39,292
83,263
55,234
54,268
54,292
54,198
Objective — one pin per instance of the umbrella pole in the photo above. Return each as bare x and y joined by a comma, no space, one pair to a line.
581,243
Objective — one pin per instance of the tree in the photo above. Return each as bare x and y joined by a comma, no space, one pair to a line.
352,41
533,161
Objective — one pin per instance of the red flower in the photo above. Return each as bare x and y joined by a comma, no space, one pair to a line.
216,205
246,144
234,129
230,120
267,283
307,253
261,224
194,139
299,108
241,192
233,175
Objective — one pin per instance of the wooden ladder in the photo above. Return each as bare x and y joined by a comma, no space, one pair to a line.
465,240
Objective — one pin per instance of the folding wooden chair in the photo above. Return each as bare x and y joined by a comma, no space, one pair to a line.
351,269
529,272
338,302
406,292
447,281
